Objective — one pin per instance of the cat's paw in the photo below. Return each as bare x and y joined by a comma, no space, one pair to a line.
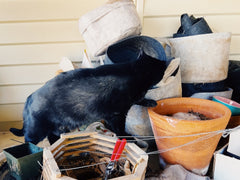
147,103
151,103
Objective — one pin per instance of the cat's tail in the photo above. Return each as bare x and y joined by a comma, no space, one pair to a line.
17,132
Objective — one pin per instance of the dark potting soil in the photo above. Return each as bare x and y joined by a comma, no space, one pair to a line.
95,171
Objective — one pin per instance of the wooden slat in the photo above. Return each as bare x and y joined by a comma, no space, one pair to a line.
11,112
105,138
77,134
16,94
103,143
25,10
77,147
57,144
66,178
40,32
50,161
74,141
40,53
175,7
27,74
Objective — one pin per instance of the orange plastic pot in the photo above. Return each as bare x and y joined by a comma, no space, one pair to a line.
192,153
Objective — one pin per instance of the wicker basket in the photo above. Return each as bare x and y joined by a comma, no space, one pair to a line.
78,142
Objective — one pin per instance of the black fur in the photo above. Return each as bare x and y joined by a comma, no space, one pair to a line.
84,96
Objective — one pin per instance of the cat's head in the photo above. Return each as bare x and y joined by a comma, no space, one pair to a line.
151,69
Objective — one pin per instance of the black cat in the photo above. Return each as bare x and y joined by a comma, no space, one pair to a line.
83,96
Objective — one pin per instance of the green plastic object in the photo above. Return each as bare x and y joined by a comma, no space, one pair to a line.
23,161
232,105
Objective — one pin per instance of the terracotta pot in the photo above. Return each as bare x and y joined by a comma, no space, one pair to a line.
196,156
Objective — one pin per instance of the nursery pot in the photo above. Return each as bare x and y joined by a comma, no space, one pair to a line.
23,161
192,152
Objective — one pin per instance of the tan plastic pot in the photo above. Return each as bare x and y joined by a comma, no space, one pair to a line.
196,156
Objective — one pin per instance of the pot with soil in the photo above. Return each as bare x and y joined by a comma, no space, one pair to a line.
86,154
194,152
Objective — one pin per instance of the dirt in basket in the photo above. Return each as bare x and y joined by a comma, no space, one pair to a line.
93,167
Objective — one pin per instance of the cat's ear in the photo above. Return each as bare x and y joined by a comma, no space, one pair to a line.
142,55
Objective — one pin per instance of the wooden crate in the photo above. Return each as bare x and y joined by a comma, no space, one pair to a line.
78,142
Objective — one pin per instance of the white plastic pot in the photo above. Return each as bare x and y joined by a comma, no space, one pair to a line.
108,24
204,58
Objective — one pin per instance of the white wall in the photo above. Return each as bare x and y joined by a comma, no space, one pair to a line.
35,35
162,18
